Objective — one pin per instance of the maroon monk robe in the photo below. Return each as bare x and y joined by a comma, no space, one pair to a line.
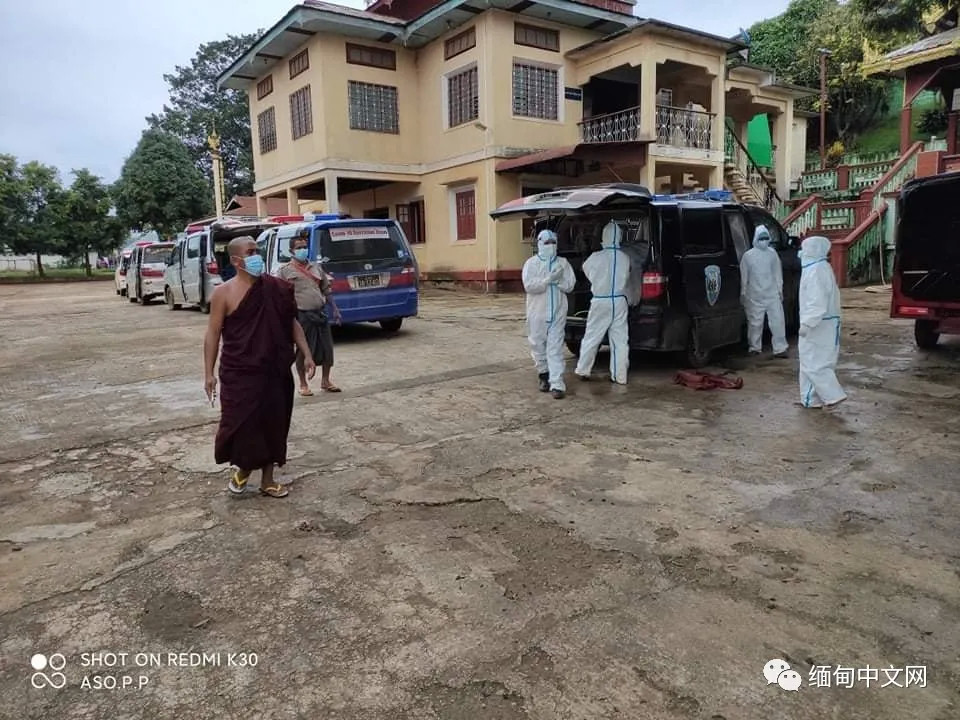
256,381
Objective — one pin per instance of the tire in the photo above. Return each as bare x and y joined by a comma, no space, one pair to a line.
391,325
168,296
926,335
573,346
694,356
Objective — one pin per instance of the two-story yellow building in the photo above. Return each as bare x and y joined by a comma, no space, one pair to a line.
436,113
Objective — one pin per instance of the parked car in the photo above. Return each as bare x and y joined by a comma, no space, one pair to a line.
375,276
199,262
145,273
686,262
926,267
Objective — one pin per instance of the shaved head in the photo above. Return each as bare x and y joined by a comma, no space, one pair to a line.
238,246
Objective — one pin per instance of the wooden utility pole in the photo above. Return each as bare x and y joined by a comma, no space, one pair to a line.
823,107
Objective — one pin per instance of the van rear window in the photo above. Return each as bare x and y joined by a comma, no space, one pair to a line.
157,256
702,231
362,243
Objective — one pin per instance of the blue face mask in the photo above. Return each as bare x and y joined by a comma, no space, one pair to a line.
301,254
253,264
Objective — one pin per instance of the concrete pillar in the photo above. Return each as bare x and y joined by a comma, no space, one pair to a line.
293,201
648,98
783,139
648,175
261,206
330,190
716,178
718,106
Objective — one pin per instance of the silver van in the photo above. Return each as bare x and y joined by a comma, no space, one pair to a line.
146,272
199,262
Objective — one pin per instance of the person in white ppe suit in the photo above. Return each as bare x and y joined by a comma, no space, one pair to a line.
608,271
819,346
547,279
761,291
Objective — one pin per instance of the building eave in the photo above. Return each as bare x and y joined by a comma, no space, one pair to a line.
272,44
898,65
649,25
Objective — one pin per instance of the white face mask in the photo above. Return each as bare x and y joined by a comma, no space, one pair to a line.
763,243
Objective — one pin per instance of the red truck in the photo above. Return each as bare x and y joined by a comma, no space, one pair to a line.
926,269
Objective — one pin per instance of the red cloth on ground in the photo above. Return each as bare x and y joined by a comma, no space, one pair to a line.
706,381
256,380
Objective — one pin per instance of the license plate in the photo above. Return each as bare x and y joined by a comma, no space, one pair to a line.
366,281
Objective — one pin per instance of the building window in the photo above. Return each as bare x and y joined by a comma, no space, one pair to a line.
537,37
299,63
460,43
301,114
264,87
371,56
267,130
465,212
665,97
463,97
536,91
373,107
412,219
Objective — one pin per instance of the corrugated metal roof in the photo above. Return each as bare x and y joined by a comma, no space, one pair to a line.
928,43
349,11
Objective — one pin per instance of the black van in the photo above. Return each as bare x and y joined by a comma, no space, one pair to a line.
686,262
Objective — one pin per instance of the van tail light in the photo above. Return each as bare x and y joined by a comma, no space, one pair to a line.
340,284
147,272
652,285
407,277
914,311
213,268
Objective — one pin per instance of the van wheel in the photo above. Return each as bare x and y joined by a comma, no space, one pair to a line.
573,346
695,357
926,335
168,296
391,325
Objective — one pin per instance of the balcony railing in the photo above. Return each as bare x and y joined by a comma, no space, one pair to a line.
680,127
621,126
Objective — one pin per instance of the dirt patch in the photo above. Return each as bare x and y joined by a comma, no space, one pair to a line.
172,615
479,700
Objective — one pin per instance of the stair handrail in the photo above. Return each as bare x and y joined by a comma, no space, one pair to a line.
875,194
798,212
875,217
771,189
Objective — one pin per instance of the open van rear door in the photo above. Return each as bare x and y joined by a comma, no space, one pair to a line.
572,200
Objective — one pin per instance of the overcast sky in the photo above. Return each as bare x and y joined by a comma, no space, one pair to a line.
78,78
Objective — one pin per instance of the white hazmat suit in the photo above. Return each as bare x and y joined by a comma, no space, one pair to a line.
761,290
547,279
608,271
819,346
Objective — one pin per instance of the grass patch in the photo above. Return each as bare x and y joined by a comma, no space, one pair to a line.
55,274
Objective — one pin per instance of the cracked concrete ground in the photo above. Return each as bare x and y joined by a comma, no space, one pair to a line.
458,546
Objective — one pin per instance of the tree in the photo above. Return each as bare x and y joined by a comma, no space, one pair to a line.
854,102
89,226
160,188
13,205
776,43
34,216
920,17
197,106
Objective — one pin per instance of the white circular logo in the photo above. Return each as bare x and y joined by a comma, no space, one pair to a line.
55,679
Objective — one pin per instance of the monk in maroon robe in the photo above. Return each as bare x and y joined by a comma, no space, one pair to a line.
255,315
